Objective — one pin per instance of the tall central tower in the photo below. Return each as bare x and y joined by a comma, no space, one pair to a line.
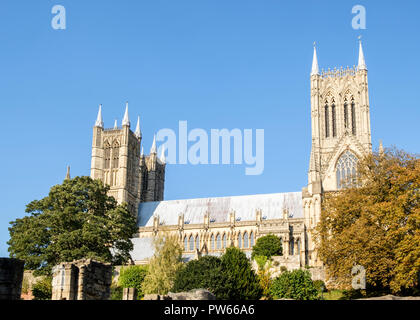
116,161
340,122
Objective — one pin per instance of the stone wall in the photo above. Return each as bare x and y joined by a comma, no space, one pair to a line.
84,279
11,276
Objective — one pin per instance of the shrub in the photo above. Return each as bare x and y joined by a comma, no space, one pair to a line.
241,281
268,246
133,277
42,289
296,284
204,273
320,286
116,292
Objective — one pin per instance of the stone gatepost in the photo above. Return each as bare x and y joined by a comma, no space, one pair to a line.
84,279
11,276
129,294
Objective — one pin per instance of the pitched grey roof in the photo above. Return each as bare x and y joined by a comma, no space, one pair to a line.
271,205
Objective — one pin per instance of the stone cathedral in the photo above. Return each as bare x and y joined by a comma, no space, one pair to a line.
341,135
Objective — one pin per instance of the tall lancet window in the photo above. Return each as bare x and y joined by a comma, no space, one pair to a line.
107,155
353,117
334,124
218,242
191,243
346,116
346,169
327,122
115,154
239,240
224,241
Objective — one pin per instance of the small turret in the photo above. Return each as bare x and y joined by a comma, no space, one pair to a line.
68,173
138,132
362,63
315,67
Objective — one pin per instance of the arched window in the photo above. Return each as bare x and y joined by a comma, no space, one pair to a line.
107,147
185,243
292,247
251,236
212,242
218,242
239,240
191,243
353,118
334,125
246,243
224,241
346,117
197,242
115,154
327,122
346,169
298,246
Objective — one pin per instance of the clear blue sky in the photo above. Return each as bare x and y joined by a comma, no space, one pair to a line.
217,64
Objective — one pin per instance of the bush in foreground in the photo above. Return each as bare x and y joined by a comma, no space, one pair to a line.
296,284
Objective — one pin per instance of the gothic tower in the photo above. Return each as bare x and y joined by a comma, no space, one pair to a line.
116,160
340,122
152,175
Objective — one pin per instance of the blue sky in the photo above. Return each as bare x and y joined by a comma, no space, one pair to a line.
217,64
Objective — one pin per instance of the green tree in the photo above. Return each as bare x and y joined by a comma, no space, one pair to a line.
375,223
76,220
296,284
269,245
133,277
42,289
264,275
241,281
164,265
205,273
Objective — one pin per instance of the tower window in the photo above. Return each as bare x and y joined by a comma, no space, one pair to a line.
115,154
327,122
107,155
346,119
346,169
334,125
353,118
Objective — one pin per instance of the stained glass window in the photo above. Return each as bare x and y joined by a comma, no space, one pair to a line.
346,169
246,243
218,242
239,240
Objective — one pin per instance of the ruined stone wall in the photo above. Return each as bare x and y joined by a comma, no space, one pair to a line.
11,276
84,279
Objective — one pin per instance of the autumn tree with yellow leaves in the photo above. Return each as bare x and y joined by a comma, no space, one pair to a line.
375,223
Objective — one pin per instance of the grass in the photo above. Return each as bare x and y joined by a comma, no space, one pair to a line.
333,295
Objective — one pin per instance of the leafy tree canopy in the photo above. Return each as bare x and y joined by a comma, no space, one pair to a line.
76,220
164,265
375,224
269,245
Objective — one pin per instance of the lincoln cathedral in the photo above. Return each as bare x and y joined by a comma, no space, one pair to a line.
340,128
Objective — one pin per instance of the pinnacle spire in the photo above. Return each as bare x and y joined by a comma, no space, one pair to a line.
153,148
381,148
126,120
162,156
315,67
362,63
138,132
115,124
99,123
68,173
142,152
